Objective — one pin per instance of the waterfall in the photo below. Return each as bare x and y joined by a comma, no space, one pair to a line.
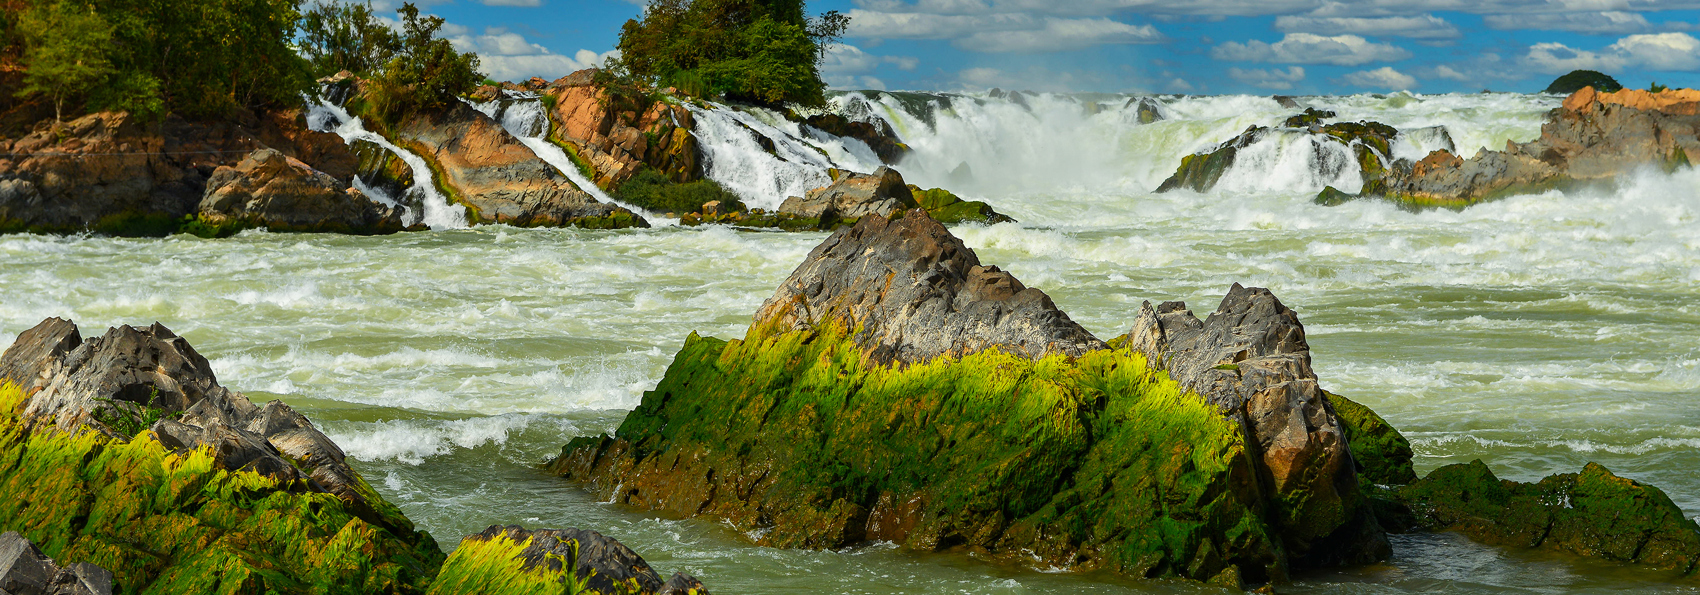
524,117
438,212
760,163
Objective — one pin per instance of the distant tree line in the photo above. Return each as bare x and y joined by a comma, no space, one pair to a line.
760,51
209,58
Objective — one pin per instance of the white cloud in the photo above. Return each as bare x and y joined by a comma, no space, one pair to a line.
1307,48
1418,27
916,25
848,67
1448,72
1179,85
1221,8
507,56
1030,79
1060,35
1660,51
1269,79
1381,78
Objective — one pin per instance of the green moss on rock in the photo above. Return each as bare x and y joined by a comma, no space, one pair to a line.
1382,453
948,208
164,522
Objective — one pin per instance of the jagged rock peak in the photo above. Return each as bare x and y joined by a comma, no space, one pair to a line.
25,570
916,292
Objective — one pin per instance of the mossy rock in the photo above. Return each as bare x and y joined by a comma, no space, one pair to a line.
1333,197
1382,453
1593,513
1576,79
1311,117
164,522
948,208
1200,172
1095,462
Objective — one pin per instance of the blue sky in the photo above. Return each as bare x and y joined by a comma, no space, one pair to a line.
1160,46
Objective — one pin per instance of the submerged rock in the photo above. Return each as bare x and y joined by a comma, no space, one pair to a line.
124,449
498,178
897,389
1371,145
279,193
503,560
24,570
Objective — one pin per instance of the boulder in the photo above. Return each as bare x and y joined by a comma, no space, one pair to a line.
498,178
587,559
270,190
852,196
877,135
616,134
24,570
916,293
1249,358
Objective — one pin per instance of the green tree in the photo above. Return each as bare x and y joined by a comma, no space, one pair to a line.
337,37
65,55
763,51
425,71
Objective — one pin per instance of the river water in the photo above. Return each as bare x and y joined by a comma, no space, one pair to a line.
1535,333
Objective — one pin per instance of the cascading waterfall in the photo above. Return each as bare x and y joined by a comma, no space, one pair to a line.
764,164
524,117
438,212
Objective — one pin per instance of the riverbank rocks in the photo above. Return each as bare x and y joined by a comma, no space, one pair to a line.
513,560
125,452
897,389
500,180
276,192
1594,513
1593,138
24,570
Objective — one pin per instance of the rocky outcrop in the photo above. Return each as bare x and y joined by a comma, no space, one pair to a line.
897,389
1249,358
1594,513
108,173
615,134
1594,137
877,135
915,293
1576,80
1369,142
276,192
498,178
853,196
126,450
24,570
503,560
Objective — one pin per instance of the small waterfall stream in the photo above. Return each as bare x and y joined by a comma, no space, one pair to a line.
523,116
437,211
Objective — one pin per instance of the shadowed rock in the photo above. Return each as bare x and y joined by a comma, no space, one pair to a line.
268,189
916,292
24,570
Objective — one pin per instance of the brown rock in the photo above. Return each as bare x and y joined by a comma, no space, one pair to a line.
280,193
614,141
853,196
917,292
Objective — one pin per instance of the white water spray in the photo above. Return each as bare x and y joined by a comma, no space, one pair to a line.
523,116
438,212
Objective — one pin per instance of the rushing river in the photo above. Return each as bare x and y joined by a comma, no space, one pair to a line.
1535,333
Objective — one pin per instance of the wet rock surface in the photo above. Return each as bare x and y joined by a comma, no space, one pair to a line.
916,292
499,178
24,570
617,136
854,195
1370,144
270,190
878,135
596,563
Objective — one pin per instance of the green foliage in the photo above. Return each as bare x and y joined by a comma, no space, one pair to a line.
66,52
425,71
496,566
167,523
1657,88
763,51
124,421
337,37
653,192
1576,79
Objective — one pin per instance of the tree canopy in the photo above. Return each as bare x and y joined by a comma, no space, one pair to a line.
763,51
405,70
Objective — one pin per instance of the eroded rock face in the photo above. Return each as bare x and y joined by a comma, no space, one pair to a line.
616,137
877,135
1593,137
854,195
916,293
1249,358
500,178
24,570
268,189
603,564
133,379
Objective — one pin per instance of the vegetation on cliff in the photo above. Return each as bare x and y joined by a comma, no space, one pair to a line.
405,70
1576,79
764,51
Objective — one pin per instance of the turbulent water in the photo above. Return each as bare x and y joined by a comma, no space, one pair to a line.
1535,333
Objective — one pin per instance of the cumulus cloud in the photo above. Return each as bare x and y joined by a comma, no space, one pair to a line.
1596,23
1307,48
1381,78
1225,8
1659,51
1060,35
1030,79
1418,27
507,56
849,67
1268,79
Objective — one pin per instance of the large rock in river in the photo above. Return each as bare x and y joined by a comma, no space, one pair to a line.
513,560
897,389
500,179
270,190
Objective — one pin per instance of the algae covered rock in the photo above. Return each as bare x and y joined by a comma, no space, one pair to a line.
124,452
1594,513
512,560
948,208
896,389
